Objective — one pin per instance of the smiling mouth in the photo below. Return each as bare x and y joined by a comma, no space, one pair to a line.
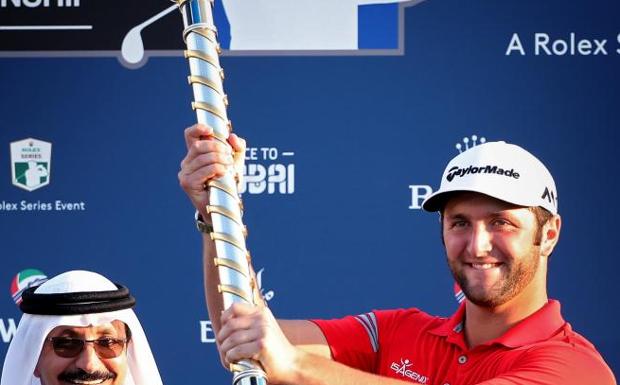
483,266
87,382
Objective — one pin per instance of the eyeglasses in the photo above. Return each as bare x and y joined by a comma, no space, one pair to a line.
104,347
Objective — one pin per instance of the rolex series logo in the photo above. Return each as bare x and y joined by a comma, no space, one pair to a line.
31,161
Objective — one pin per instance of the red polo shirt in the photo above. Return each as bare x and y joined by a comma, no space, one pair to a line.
413,346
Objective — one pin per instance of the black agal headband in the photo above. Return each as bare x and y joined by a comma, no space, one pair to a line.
83,302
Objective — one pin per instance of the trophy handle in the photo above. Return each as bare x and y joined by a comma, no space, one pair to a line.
225,207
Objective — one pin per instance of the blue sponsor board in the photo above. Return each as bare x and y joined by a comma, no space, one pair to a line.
365,136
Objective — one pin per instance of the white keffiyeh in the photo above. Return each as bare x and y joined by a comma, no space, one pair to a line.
25,348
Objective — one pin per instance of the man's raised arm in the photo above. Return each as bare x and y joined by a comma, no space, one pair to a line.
207,159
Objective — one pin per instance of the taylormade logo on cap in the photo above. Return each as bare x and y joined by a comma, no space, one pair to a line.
500,170
488,169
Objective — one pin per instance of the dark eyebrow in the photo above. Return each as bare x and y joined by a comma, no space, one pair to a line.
501,214
456,216
68,332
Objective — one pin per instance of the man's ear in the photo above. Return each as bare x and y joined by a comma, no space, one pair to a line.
550,235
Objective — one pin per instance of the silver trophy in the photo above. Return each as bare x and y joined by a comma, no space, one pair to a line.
233,260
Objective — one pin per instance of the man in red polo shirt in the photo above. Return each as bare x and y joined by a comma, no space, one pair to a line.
498,206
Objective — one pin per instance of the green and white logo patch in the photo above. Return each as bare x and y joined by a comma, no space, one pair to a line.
31,162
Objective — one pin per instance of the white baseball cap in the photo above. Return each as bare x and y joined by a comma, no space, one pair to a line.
500,170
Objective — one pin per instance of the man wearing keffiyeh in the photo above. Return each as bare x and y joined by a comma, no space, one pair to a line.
79,328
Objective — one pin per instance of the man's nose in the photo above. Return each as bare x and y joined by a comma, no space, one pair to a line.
88,360
480,244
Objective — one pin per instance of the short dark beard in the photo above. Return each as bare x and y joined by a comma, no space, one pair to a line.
82,375
514,284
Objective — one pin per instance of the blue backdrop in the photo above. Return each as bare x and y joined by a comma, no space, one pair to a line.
358,136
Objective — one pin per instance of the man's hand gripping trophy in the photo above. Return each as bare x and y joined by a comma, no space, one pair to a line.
206,159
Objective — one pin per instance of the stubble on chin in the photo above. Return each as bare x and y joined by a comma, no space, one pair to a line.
515,278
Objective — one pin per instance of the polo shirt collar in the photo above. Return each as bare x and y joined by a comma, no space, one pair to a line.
539,326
